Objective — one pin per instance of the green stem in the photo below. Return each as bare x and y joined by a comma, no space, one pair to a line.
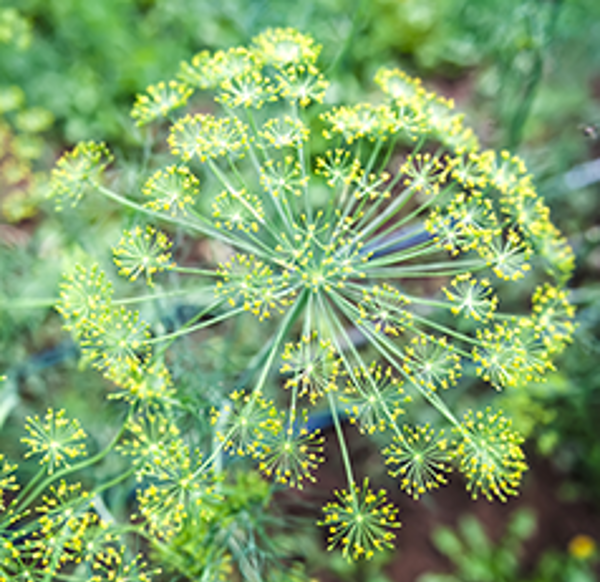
285,217
423,249
302,157
205,229
357,21
6,302
282,331
448,331
186,330
342,442
32,483
396,206
194,271
161,295
391,353
350,346
412,272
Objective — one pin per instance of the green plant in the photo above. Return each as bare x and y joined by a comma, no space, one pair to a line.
333,226
88,95
477,558
20,128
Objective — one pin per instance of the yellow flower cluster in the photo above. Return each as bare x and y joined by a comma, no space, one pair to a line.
491,458
160,100
361,521
55,439
420,459
142,252
381,243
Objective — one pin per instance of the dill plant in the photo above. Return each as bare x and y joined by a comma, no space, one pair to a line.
376,243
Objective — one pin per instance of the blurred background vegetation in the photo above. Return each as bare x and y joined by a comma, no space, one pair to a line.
525,72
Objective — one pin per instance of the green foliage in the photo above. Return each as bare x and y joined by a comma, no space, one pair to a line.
122,47
20,129
476,558
240,530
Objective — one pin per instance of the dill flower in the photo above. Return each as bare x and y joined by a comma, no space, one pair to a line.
114,564
252,283
146,386
553,316
241,422
490,454
301,84
116,342
142,251
361,521
283,47
174,483
246,89
85,297
160,100
65,515
355,122
8,480
149,437
386,307
377,244
207,137
432,363
499,356
419,458
471,297
55,439
290,452
312,365
283,177
209,71
339,167
78,172
285,132
374,398
172,190
238,210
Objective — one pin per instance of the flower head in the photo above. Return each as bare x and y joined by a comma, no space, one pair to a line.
85,297
159,101
55,439
361,521
171,190
115,564
312,366
489,454
374,398
290,452
204,136
142,252
377,244
78,172
419,458
283,47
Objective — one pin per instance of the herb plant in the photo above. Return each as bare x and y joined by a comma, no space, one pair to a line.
476,557
376,245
